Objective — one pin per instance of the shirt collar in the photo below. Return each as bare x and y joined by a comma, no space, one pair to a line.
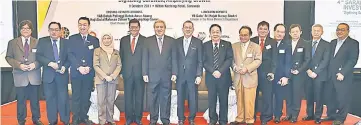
136,37
188,39
160,37
259,38
57,40
338,40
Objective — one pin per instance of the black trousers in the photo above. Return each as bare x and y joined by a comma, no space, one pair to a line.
22,94
314,93
217,89
192,91
81,90
134,96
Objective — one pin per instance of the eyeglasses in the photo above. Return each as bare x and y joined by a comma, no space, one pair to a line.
134,27
27,28
343,30
51,29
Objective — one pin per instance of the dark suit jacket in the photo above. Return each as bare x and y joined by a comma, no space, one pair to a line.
78,50
159,65
131,63
45,55
345,59
225,61
190,66
302,54
268,55
320,60
284,60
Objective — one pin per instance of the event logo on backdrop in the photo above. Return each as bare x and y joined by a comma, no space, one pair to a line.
112,16
342,11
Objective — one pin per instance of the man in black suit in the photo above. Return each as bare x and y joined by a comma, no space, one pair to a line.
343,58
159,67
266,71
281,86
81,70
217,59
301,57
317,73
131,54
190,70
52,55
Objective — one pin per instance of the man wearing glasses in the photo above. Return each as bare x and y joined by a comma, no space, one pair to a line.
52,55
131,54
343,58
26,71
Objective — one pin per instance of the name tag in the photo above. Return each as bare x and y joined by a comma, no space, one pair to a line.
268,47
281,51
299,49
33,50
249,56
90,47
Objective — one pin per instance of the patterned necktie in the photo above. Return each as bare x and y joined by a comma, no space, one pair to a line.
215,56
84,39
132,45
262,44
314,47
26,48
160,44
55,50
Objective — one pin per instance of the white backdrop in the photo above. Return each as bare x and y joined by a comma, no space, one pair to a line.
6,29
231,15
329,13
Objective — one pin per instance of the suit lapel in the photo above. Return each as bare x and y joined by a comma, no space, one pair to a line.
182,47
319,47
137,44
20,44
221,49
165,44
61,42
32,43
248,50
189,46
342,46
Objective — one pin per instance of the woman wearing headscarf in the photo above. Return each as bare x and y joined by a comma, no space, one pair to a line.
107,67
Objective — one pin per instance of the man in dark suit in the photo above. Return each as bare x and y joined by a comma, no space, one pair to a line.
190,65
26,72
283,60
317,73
52,55
217,60
159,67
343,58
266,71
82,72
301,57
131,54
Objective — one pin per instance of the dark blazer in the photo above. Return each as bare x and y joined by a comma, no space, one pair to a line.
78,50
302,54
269,53
345,59
131,63
190,66
320,60
159,65
45,55
284,58
225,60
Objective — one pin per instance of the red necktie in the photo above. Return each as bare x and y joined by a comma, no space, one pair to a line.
262,44
132,45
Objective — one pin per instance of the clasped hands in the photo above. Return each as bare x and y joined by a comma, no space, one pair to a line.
29,67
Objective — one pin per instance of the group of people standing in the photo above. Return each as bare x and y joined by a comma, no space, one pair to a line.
273,66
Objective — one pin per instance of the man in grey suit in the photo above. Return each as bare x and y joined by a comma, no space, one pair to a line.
131,54
52,54
317,74
190,65
159,68
26,71
343,58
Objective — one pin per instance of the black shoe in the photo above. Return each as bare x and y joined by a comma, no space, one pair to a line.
250,123
139,123
294,120
277,120
336,122
318,121
76,122
128,122
153,123
165,124
287,118
328,119
112,123
87,122
38,122
21,122
211,123
308,118
180,122
191,122
264,123
235,123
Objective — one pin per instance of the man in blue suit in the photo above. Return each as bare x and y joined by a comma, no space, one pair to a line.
81,70
159,67
283,68
190,65
52,55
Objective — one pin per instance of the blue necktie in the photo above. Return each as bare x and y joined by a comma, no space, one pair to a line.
55,50
314,47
